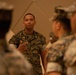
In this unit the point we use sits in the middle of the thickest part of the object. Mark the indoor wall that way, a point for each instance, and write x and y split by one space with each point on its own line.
42 9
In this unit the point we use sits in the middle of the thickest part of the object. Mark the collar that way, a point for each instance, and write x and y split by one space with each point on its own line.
64 35
34 34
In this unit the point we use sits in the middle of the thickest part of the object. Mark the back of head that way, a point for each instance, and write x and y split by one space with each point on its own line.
62 17
5 17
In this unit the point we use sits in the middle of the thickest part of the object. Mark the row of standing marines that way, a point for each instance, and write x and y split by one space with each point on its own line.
21 55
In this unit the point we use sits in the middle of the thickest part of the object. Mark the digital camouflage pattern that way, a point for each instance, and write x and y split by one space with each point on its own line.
34 47
12 61
70 58
56 54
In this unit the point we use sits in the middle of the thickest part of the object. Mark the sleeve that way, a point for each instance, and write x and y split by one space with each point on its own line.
55 58
15 40
43 40
53 67
43 43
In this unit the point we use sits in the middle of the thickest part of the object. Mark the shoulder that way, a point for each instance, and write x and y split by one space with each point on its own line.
64 42
56 51
19 33
14 52
58 44
70 37
14 60
19 60
16 36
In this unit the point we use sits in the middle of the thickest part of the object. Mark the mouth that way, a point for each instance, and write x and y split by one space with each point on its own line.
29 25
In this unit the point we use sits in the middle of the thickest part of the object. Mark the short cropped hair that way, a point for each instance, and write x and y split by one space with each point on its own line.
64 20
28 14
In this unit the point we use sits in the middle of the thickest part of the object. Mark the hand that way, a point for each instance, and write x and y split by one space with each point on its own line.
22 46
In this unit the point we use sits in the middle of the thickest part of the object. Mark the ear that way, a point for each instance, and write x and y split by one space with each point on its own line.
58 26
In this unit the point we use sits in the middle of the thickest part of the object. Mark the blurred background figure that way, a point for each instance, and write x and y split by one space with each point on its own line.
30 43
12 61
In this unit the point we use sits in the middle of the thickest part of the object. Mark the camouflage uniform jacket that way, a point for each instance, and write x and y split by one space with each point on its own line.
12 61
70 58
56 54
34 47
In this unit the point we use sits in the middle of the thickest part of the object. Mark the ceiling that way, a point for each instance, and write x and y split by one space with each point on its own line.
42 9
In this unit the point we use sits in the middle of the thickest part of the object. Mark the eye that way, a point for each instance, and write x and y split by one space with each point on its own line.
31 19
26 20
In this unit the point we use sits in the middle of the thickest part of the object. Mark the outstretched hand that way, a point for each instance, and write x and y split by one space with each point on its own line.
22 46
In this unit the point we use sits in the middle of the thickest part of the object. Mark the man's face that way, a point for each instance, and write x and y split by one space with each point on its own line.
73 22
29 22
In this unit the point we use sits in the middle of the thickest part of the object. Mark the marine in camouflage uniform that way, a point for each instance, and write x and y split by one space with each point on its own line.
70 55
12 62
55 57
56 54
34 47
70 58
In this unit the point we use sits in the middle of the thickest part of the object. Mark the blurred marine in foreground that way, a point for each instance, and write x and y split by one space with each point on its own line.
56 57
12 61
70 55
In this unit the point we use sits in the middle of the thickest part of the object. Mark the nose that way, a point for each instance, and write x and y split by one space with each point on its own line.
29 21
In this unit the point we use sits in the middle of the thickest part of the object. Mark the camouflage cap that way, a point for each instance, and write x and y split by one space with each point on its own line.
68 10
71 8
64 11
58 16
59 13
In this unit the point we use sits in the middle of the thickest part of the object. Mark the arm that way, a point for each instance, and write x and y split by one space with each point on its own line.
14 40
53 68
18 41
43 52
43 57
54 60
